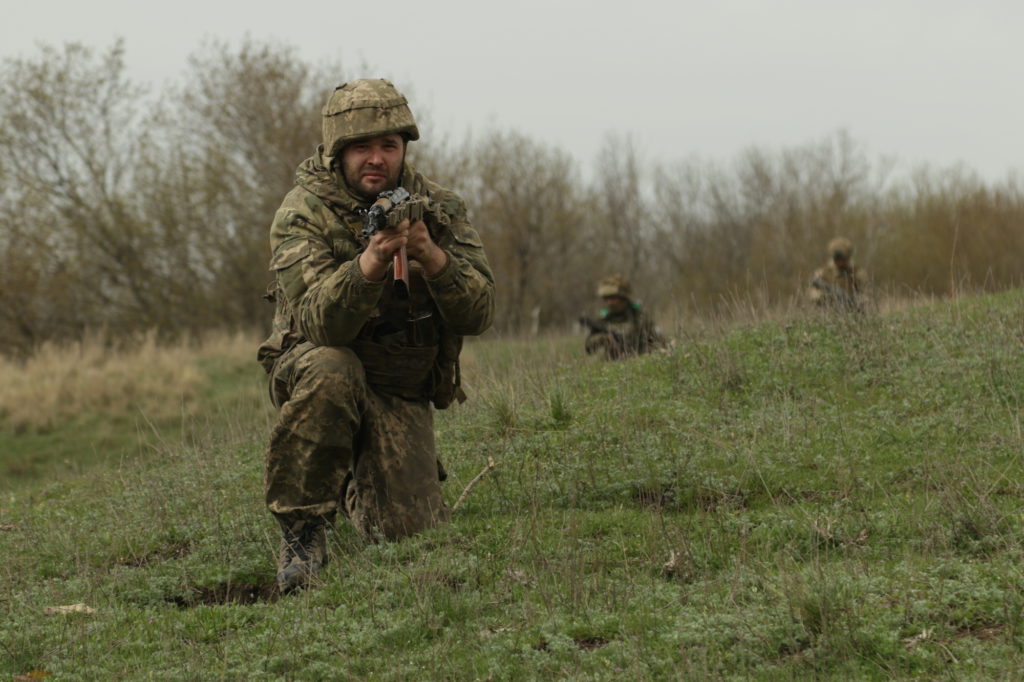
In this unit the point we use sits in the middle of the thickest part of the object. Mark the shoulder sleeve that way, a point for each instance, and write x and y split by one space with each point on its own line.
464 288
329 297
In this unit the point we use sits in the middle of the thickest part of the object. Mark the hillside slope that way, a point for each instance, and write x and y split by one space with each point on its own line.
830 497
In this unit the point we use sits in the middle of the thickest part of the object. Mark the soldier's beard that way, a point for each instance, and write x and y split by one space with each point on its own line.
369 189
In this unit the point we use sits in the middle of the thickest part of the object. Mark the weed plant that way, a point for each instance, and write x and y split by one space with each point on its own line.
802 498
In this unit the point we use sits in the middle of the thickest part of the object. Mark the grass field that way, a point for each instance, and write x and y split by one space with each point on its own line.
801 498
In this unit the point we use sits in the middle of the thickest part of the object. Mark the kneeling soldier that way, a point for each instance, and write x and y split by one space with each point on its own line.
355 361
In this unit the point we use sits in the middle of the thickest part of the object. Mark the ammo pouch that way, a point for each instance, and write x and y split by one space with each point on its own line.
445 377
414 373
403 371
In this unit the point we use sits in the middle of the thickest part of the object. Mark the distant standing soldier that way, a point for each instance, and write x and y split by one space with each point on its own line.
623 328
839 284
355 359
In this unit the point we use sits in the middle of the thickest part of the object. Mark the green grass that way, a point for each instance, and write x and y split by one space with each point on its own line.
811 498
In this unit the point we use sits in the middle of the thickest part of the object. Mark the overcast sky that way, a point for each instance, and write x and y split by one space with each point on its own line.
926 81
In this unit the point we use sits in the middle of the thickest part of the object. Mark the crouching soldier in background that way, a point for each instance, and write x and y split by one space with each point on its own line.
839 284
623 328
355 360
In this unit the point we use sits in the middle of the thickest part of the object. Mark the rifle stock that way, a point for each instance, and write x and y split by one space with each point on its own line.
401 268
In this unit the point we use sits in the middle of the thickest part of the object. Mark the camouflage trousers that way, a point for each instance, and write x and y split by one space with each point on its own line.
340 444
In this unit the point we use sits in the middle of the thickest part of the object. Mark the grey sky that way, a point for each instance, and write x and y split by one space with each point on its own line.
925 81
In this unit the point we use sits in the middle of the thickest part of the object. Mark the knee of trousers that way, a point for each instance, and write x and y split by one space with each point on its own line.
333 373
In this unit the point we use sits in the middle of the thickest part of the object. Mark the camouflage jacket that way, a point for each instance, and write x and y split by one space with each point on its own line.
832 286
634 327
323 299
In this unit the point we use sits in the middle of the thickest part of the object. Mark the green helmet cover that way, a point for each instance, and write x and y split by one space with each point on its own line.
368 107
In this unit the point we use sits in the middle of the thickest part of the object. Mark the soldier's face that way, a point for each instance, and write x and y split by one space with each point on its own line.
615 304
373 165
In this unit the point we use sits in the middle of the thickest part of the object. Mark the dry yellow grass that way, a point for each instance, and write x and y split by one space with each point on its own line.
91 377
236 347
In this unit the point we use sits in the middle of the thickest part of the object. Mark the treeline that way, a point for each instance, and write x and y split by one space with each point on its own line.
129 210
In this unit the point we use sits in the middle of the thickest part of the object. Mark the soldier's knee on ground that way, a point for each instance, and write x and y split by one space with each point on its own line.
392 520
394 505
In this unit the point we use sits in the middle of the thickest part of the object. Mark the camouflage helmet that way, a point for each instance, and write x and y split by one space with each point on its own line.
363 108
614 285
840 247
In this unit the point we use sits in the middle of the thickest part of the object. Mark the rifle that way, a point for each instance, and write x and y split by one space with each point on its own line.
390 208
838 294
597 327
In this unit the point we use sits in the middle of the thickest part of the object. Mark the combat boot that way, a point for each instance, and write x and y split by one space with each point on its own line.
303 554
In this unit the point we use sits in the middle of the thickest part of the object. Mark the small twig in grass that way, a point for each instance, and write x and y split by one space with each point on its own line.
487 469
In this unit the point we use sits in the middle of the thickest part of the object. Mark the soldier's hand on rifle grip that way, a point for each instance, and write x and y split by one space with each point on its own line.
423 249
381 250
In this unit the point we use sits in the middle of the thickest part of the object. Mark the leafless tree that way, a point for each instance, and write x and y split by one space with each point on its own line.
528 205
232 137
68 135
